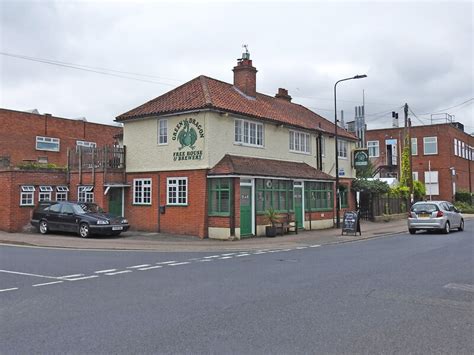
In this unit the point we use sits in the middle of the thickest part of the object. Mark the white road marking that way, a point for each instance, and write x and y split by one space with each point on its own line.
166 262
212 256
9 289
48 283
104 271
315 246
151 267
273 251
204 260
83 278
228 254
299 248
239 255
176 264
462 287
27 274
260 252
137 266
226 257
286 249
118 272
68 276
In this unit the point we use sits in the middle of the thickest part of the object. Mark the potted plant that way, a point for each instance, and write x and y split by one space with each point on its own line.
271 216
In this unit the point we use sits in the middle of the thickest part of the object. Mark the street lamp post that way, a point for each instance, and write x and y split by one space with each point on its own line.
336 145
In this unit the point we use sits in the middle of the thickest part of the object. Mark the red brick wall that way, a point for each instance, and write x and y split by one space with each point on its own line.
441 162
19 131
14 217
187 220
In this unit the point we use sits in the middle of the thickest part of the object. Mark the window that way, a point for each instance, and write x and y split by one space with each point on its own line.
414 146
414 175
277 194
219 197
374 150
299 142
343 196
430 145
318 196
248 133
177 191
455 147
142 191
45 193
61 193
47 143
85 193
86 144
27 196
163 131
323 146
342 148
431 183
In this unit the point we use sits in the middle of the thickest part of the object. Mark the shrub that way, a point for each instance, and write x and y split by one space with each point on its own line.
463 196
464 207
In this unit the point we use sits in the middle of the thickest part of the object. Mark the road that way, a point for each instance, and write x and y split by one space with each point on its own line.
398 294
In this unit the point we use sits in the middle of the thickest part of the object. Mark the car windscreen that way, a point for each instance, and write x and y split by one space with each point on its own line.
425 207
90 208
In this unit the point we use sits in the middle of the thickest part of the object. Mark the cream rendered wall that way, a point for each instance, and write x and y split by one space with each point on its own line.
145 154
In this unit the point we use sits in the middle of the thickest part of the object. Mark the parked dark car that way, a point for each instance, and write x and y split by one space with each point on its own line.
82 218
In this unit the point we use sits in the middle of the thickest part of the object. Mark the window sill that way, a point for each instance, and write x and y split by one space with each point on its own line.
214 214
176 205
141 204
298 152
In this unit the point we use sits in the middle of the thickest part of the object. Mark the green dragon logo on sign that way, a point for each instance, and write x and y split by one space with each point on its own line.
187 136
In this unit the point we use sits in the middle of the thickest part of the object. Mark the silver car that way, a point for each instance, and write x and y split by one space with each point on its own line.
434 215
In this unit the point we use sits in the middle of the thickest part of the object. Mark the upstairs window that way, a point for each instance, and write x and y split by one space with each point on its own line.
299 142
342 149
85 193
163 131
414 146
374 149
47 143
430 145
248 133
27 195
142 191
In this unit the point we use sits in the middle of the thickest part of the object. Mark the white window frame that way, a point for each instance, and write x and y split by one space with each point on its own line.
414 146
248 133
375 147
163 131
431 183
342 146
434 141
300 142
86 144
85 193
142 191
53 142
45 193
175 194
414 175
455 147
27 195
62 193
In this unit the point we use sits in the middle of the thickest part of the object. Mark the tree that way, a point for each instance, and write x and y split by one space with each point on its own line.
366 171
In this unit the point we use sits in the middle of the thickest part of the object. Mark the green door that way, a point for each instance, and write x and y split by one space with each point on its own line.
298 205
245 211
115 201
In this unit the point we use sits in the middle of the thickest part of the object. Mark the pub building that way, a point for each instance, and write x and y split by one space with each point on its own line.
208 158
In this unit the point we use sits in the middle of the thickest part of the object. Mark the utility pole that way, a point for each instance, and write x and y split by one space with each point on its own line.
408 142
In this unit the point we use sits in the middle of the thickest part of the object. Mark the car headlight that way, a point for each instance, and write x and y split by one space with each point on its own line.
124 221
102 221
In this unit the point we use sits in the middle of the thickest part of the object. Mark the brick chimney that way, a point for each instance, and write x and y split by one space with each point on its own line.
283 94
245 76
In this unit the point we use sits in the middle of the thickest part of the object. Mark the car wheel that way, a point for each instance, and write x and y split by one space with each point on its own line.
461 225
412 230
84 231
43 227
446 228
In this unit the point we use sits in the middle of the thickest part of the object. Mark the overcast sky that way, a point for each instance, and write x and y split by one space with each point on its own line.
415 52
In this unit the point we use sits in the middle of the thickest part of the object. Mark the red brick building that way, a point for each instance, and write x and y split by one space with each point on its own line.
38 161
442 157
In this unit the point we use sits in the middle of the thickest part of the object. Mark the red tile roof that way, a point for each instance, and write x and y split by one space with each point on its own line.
238 165
207 93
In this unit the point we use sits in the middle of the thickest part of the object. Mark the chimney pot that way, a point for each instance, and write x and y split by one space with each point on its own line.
283 94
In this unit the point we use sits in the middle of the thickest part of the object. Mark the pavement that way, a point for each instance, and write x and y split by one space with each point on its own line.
163 242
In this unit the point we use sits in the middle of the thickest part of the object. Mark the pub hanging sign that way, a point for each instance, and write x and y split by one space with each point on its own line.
361 158
188 132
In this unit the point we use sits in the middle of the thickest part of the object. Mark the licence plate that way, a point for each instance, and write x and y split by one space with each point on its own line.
423 215
117 228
